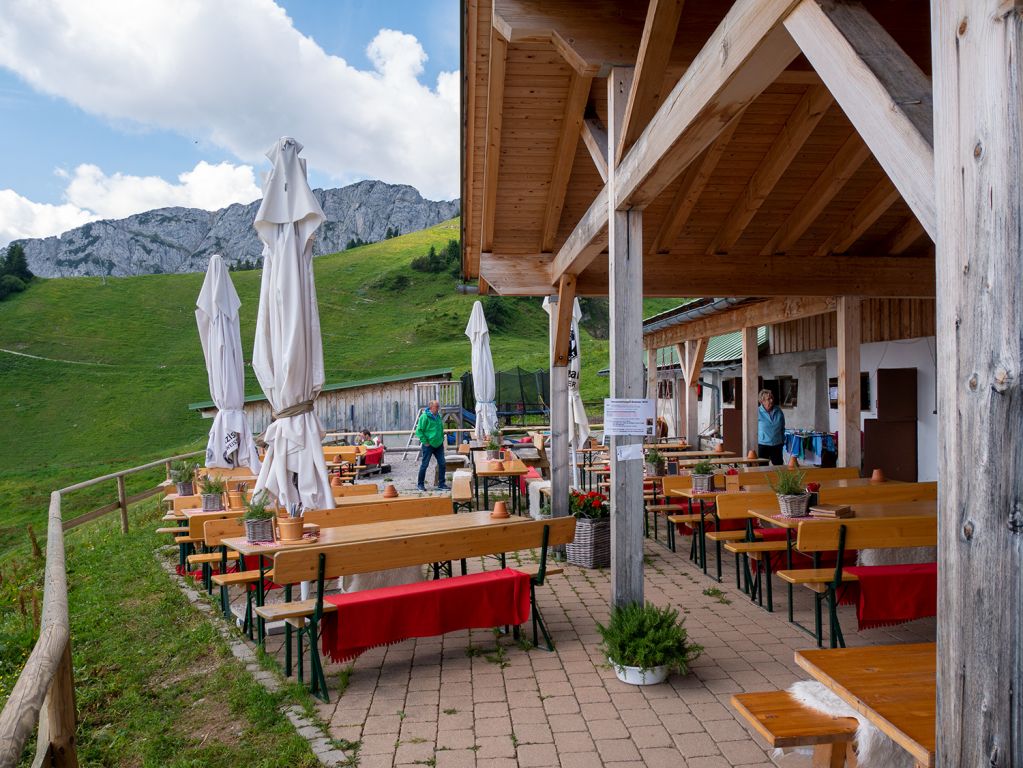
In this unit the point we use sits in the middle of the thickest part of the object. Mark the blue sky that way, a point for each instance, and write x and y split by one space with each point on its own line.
84 109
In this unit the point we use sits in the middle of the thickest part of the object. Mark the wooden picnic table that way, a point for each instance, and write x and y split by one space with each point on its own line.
346 534
928 508
685 454
512 471
893 686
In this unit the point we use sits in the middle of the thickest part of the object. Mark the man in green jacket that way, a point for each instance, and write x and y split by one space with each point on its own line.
430 431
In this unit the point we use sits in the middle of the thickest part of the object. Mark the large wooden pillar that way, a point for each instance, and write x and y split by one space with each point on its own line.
750 387
977 48
651 376
625 266
849 335
561 475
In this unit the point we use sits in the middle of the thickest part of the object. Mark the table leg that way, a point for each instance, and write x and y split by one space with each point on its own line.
788 565
476 489
486 493
717 544
260 596
703 541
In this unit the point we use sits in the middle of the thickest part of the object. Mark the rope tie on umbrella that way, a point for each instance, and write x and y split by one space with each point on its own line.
306 406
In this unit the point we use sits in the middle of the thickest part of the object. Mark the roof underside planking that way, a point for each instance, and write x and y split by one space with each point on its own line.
787 199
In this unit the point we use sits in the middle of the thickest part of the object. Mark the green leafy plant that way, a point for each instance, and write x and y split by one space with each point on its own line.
494 441
213 486
654 456
592 505
258 508
183 471
645 636
788 483
703 468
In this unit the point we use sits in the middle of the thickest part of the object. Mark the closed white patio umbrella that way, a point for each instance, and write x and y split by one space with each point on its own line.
230 444
484 387
579 424
288 354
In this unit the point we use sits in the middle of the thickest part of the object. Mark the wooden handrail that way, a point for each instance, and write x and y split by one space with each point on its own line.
44 694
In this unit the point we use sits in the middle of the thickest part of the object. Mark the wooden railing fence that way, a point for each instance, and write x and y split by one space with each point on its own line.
44 694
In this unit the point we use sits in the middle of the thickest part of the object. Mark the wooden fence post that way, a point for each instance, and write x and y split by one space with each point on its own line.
61 713
167 465
122 501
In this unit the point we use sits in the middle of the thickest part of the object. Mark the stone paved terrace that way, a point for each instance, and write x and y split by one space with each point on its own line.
459 701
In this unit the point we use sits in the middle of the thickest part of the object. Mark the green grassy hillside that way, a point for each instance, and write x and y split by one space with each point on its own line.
123 360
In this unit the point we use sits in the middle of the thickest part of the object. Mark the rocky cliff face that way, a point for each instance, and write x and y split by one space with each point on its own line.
182 239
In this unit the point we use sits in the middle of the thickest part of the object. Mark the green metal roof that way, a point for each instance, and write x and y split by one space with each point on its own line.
720 349
343 385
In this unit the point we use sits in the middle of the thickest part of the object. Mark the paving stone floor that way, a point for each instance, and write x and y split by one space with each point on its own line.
473 699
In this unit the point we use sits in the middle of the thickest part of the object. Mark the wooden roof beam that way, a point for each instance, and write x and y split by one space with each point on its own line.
655 46
800 124
849 158
585 242
745 54
516 274
595 138
492 158
870 209
694 180
904 236
575 108
883 92
563 326
769 312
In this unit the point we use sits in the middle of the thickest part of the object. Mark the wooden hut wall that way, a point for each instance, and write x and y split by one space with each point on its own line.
883 320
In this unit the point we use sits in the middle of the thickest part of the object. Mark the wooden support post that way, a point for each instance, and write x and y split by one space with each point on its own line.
978 151
122 502
651 376
167 467
625 288
561 474
61 723
750 387
849 321
695 350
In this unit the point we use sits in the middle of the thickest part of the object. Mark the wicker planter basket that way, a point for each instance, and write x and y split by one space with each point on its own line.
795 505
592 545
259 530
703 483
185 489
212 502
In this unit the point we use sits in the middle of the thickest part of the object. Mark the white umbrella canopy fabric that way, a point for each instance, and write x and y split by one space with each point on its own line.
484 387
579 425
216 313
288 354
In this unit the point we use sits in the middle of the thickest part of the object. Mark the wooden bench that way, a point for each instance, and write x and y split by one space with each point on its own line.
329 562
878 493
351 489
784 722
214 533
813 474
853 534
461 490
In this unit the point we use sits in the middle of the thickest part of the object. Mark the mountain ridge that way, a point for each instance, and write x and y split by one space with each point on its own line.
177 240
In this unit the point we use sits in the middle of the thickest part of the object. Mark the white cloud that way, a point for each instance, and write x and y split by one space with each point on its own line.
91 194
239 75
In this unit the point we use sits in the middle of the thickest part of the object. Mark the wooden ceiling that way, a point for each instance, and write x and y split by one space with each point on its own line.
787 199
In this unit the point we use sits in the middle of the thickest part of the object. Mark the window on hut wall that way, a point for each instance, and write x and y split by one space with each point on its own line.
787 391
665 389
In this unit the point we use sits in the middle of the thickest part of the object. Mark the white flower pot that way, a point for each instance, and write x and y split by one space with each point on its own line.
639 675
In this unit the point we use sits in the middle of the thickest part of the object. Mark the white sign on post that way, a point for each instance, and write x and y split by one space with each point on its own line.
624 417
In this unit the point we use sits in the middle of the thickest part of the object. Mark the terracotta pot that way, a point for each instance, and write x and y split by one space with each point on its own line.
335 481
497 466
290 528
793 463
390 491
751 454
500 510
877 476
719 448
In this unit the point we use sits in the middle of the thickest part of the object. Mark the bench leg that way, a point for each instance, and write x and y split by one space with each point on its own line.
287 635
767 581
818 629
829 755
671 534
318 683
538 621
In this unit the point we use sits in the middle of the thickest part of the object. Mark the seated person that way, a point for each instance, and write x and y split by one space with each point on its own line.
366 439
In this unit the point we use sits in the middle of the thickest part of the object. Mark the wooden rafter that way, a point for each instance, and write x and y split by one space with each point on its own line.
870 209
563 327
688 193
517 274
655 47
470 242
904 236
694 360
881 89
768 312
745 54
595 138
575 106
801 123
850 156
586 241
495 108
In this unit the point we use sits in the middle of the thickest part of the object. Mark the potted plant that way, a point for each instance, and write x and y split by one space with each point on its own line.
654 463
793 499
494 445
183 475
213 490
592 545
259 519
703 476
644 643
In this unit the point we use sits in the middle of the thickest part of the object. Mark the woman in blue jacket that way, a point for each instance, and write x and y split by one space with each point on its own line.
770 428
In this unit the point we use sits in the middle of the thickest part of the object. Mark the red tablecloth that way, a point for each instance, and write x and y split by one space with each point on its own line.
893 594
375 617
